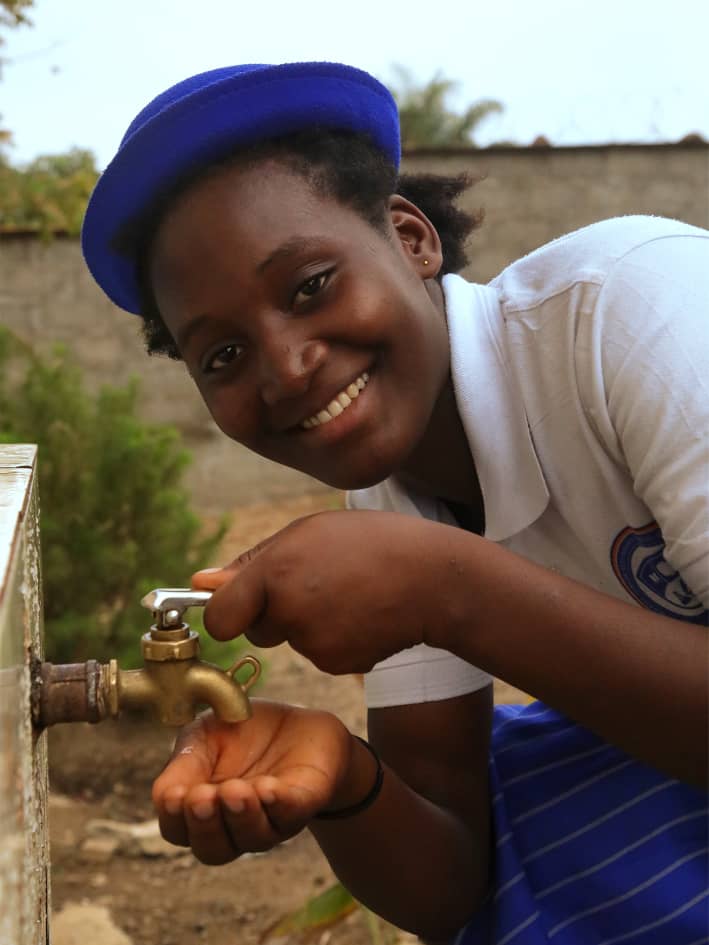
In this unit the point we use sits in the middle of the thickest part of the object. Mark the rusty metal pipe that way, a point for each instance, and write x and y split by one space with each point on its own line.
69 692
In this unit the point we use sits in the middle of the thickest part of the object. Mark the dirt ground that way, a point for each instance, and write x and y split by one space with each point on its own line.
105 772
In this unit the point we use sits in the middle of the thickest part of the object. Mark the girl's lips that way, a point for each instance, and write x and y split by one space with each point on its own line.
338 404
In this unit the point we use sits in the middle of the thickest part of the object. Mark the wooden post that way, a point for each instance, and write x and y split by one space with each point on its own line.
24 844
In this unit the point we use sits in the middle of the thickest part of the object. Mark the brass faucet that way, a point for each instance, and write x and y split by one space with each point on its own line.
173 683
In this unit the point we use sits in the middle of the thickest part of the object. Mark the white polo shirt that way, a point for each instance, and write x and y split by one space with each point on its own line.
582 379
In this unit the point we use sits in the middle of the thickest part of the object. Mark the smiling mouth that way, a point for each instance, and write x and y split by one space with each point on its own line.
339 404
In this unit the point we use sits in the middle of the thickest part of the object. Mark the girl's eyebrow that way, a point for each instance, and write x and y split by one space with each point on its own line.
189 329
289 247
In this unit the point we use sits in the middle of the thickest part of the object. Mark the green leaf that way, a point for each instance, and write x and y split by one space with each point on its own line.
380 932
425 119
325 909
48 195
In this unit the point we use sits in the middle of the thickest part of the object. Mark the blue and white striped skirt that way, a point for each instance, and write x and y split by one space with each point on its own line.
591 847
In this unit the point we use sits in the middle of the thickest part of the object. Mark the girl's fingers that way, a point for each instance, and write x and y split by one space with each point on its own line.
210 579
190 764
171 816
289 807
245 818
237 603
221 823
208 836
261 813
252 815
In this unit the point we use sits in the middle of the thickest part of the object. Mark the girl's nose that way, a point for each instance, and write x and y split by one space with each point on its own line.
288 365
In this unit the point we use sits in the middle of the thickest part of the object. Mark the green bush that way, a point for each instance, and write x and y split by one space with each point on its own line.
48 195
115 520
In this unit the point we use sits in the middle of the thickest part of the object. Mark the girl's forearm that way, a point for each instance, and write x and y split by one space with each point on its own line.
636 678
418 866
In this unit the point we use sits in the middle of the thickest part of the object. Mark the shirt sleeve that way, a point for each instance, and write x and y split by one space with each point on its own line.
652 326
421 673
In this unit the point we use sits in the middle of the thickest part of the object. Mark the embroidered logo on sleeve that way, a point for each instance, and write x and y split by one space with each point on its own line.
637 558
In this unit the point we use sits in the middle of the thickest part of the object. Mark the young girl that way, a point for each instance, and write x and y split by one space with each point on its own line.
527 464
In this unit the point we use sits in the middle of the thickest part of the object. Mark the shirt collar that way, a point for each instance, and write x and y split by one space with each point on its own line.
492 410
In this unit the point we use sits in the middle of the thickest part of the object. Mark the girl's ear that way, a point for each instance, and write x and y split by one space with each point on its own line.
417 236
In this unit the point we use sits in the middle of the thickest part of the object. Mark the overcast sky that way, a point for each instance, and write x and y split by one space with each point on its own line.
577 72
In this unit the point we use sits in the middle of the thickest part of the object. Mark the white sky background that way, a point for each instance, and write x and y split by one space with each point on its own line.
577 72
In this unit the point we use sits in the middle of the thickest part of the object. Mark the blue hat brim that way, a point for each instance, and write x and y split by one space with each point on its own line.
211 116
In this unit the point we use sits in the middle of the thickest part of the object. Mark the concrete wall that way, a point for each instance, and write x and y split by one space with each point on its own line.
24 849
530 196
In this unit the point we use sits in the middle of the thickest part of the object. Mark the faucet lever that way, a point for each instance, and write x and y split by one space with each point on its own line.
169 604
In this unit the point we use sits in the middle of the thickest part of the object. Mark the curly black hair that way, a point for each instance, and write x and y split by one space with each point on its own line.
342 165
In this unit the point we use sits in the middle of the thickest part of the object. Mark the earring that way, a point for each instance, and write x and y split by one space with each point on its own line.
425 262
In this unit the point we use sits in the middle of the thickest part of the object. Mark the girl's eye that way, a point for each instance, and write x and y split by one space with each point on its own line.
222 358
310 287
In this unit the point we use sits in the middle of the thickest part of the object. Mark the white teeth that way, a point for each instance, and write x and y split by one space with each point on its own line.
339 404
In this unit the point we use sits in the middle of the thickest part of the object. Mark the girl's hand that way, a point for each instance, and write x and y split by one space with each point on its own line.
345 589
247 786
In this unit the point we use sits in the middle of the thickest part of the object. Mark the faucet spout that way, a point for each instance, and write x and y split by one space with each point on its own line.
174 689
206 684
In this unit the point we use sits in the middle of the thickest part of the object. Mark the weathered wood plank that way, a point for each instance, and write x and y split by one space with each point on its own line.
14 491
18 454
24 853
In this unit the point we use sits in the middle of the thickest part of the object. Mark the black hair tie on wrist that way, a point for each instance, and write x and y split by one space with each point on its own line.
367 800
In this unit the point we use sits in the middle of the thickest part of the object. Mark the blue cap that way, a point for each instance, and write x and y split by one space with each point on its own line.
208 116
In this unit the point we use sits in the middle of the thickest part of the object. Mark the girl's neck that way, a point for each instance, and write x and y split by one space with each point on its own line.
441 465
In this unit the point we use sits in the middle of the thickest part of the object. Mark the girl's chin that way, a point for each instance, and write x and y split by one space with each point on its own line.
355 476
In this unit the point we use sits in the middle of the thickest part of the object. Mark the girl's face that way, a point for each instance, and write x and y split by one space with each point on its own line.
315 339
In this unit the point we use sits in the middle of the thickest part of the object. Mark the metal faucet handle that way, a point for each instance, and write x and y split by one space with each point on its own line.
169 603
